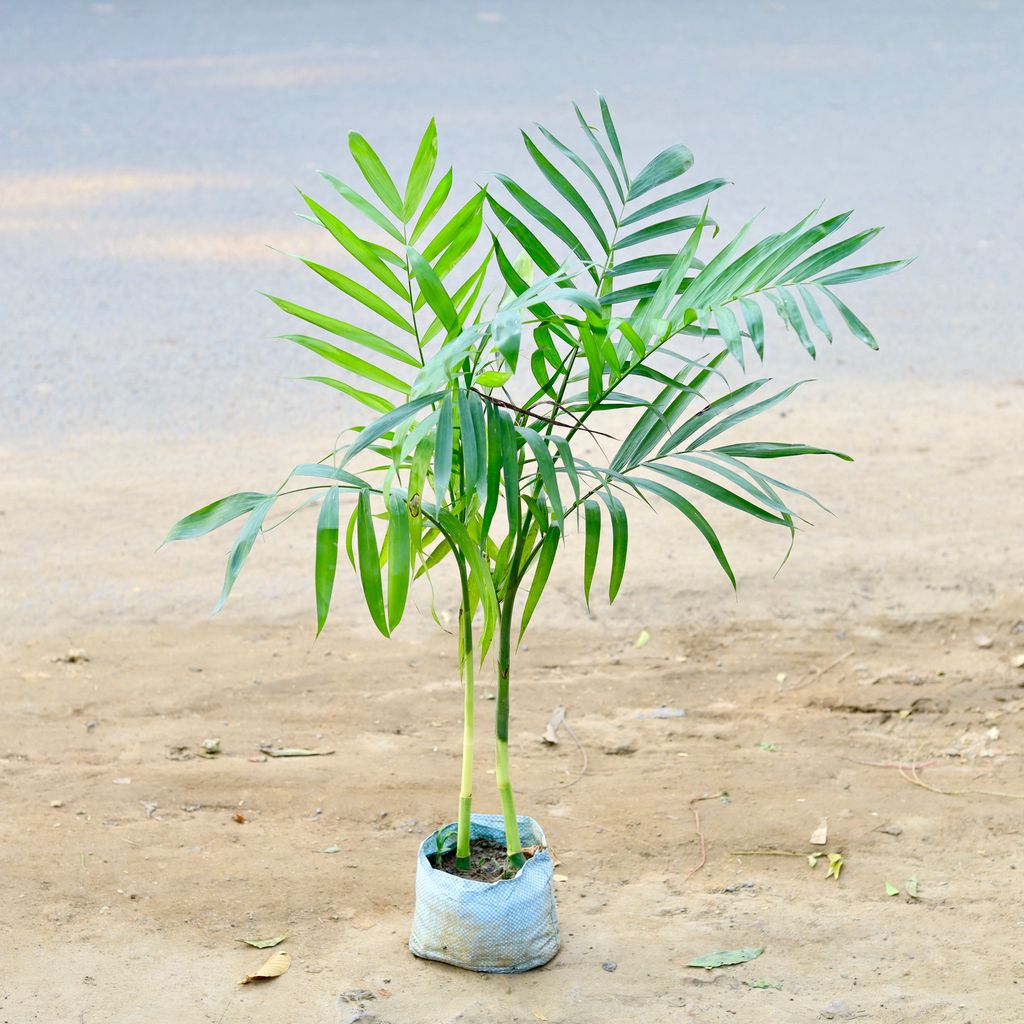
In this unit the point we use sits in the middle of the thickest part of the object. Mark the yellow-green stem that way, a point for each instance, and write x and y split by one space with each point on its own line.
462 861
508 807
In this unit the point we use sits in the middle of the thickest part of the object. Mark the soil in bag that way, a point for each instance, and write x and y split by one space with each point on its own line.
488 861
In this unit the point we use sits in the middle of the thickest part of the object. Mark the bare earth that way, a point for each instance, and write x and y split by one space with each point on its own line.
890 637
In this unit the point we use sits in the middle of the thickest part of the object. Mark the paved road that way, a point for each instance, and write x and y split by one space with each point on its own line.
149 149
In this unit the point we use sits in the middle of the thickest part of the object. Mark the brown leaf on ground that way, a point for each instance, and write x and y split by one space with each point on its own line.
273 967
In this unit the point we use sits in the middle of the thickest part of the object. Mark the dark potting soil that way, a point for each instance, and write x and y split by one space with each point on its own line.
488 861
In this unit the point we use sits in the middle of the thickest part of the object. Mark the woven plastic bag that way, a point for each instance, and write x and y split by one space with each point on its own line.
497 927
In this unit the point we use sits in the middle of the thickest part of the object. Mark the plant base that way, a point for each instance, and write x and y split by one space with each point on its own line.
497 927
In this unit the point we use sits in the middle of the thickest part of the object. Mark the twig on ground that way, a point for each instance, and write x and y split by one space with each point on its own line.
703 859
586 760
890 764
766 853
911 775
817 673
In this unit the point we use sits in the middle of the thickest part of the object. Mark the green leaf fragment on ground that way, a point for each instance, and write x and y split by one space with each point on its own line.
726 958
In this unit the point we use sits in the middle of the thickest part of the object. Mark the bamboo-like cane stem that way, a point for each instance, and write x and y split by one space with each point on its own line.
462 861
508 808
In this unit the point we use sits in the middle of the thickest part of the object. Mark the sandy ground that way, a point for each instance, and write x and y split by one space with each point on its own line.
128 881
147 155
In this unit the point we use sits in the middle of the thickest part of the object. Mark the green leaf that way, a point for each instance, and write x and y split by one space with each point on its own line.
600 150
362 250
857 326
349 362
443 451
369 562
362 294
492 378
814 311
347 331
325 471
242 546
466 214
398 559
676 199
326 556
891 890
547 219
525 237
666 227
755 324
592 524
742 414
719 493
493 467
545 559
668 164
216 514
374 402
775 450
620 541
576 159
459 535
510 470
388 422
825 258
729 329
363 206
437 298
433 204
793 316
862 273
695 517
613 136
420 172
567 191
726 958
375 173
546 469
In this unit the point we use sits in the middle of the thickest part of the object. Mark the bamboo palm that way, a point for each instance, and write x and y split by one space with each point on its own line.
488 357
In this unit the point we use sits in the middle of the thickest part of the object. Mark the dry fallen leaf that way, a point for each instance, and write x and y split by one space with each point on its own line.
264 943
819 837
239 817
274 967
554 724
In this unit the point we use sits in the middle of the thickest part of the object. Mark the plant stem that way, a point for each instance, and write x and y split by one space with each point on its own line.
466 668
508 808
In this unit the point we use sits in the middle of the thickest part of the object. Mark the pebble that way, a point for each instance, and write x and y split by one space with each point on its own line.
984 642
609 966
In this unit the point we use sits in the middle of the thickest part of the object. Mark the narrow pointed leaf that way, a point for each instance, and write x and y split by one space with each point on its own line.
326 556
347 361
443 451
545 560
369 563
375 173
592 522
420 172
433 204
216 514
242 546
434 291
348 331
675 199
364 206
388 422
668 164
398 559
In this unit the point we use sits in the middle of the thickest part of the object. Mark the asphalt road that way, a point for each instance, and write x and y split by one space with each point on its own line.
149 150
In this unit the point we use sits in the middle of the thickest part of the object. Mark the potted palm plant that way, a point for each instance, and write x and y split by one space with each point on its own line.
620 308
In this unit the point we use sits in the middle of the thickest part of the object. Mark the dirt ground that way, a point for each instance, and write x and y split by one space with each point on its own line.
894 636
